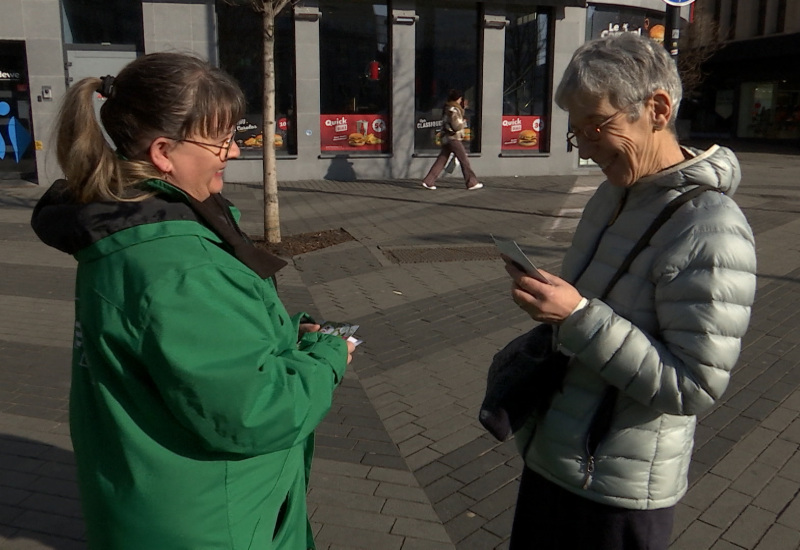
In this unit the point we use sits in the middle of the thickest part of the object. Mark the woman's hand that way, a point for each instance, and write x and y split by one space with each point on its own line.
543 302
314 327
307 327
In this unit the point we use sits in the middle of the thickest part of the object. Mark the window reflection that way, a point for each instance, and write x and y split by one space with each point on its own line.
526 80
354 76
240 31
769 110
103 21
447 58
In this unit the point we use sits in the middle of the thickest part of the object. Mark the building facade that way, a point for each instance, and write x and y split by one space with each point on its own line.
360 84
751 89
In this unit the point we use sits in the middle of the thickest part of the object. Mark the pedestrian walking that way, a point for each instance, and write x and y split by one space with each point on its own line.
194 394
452 136
647 345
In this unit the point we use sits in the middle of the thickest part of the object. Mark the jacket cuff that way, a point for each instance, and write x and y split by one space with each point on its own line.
579 328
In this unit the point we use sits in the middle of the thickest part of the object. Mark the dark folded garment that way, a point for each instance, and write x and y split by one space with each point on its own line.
522 380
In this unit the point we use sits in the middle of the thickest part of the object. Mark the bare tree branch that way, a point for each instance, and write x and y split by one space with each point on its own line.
698 43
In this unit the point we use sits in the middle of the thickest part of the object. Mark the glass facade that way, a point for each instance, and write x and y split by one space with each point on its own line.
241 43
526 80
103 22
769 110
447 45
355 65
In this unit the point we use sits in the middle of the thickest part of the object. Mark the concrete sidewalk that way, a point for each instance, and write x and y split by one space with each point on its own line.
401 460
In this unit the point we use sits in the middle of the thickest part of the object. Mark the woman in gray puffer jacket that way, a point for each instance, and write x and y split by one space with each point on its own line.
667 335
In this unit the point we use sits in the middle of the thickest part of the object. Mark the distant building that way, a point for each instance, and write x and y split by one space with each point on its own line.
752 85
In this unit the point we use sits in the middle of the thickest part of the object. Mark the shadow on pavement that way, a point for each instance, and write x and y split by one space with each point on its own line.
39 496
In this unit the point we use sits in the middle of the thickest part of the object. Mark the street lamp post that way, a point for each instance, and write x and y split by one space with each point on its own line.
672 31
672 26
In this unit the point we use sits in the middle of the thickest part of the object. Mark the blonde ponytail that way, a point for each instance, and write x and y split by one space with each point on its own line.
92 168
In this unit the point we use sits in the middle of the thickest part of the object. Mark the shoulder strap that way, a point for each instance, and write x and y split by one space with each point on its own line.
644 240
601 422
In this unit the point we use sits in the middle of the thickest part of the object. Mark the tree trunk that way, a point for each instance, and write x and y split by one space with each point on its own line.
272 221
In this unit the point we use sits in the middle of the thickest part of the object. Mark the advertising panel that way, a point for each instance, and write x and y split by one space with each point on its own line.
250 136
354 133
521 133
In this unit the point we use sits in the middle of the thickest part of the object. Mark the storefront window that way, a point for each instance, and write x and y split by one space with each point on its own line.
240 31
526 80
770 110
354 76
16 146
103 22
447 41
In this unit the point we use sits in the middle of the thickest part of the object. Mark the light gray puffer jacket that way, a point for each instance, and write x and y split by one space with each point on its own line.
667 336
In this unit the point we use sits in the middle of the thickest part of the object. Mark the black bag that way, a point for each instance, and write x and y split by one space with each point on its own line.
523 378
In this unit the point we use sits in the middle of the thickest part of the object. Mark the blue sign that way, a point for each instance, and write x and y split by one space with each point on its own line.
678 3
20 137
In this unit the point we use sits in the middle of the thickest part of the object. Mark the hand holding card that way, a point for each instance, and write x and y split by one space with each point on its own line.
511 250
343 330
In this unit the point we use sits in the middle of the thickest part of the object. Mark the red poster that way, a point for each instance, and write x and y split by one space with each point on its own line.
521 133
353 133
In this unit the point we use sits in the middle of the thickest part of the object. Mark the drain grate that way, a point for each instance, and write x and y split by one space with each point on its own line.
417 255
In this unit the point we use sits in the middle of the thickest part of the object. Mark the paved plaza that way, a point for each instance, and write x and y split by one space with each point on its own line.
401 460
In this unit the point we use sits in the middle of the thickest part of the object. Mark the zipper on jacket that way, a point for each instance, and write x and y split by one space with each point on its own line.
598 429
587 478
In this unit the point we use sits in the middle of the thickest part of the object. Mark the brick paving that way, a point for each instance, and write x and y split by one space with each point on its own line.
401 461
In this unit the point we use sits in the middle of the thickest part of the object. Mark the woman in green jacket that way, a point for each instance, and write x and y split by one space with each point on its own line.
194 394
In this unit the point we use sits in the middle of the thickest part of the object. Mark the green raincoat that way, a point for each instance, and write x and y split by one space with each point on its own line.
193 403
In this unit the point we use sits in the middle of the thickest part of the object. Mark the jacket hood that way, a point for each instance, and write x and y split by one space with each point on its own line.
62 222
717 166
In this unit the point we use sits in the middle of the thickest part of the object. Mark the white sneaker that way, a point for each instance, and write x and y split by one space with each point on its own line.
426 186
476 186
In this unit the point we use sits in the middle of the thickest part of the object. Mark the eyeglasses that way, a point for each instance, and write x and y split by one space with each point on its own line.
222 149
593 132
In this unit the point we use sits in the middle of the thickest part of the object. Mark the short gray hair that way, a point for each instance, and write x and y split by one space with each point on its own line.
626 68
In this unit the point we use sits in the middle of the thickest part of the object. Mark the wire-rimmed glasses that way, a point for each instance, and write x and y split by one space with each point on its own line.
223 149
593 132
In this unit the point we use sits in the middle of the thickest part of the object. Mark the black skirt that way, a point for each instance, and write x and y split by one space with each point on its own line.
550 518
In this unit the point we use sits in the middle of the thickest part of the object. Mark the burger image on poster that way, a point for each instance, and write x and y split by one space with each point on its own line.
657 33
356 139
527 138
